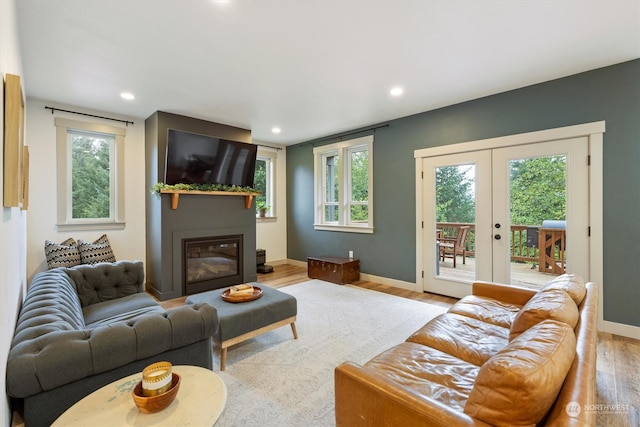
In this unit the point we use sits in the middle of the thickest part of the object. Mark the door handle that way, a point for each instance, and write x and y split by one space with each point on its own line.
497 237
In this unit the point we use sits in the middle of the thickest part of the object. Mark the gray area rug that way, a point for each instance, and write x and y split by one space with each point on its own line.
274 380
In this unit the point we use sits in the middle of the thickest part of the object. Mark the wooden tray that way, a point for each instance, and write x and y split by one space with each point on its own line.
226 296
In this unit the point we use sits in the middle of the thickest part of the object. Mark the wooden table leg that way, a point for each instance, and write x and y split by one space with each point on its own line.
224 345
223 358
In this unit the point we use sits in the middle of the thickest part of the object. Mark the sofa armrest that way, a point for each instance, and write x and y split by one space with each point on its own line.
106 281
364 398
501 292
59 358
579 388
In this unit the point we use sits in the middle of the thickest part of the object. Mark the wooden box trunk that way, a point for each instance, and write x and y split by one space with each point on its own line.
334 269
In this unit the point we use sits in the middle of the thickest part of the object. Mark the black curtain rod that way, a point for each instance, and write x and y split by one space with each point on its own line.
339 137
364 130
268 146
126 122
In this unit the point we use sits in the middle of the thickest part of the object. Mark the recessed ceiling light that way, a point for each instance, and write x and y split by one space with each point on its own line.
396 91
127 95
275 130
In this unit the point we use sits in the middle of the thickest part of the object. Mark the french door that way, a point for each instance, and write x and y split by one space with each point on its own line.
526 207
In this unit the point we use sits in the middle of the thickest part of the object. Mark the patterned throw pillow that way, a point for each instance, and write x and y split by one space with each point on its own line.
65 254
98 251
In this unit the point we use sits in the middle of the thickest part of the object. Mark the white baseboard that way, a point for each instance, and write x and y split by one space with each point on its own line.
619 329
390 282
279 262
371 278
297 263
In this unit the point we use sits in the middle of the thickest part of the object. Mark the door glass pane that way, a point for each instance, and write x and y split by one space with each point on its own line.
538 206
455 222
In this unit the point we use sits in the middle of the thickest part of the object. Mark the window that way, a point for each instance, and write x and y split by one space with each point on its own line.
264 181
344 186
90 175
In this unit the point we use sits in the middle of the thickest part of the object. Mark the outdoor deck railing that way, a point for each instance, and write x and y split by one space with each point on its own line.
520 251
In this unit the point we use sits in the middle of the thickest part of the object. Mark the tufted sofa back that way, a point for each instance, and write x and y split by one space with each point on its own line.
54 347
106 281
51 305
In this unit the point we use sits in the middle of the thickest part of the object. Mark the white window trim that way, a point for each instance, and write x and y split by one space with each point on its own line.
272 156
343 149
64 221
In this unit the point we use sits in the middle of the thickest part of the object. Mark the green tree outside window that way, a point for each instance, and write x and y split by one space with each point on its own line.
90 175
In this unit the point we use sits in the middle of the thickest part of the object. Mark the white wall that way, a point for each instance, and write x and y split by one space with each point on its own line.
271 233
128 243
13 220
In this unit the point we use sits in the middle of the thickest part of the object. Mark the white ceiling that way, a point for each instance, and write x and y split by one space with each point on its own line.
312 68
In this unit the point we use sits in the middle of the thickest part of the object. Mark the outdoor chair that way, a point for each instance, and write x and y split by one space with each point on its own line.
450 247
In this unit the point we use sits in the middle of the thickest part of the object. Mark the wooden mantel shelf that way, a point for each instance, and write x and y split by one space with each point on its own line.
175 195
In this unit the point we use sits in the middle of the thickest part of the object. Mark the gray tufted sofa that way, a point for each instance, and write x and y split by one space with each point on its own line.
83 327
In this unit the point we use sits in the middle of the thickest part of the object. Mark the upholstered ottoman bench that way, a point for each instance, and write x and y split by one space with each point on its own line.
244 320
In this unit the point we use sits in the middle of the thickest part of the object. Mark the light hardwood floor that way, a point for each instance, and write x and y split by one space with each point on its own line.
618 366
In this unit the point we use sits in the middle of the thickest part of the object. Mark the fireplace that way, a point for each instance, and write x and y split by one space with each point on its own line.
211 263
198 216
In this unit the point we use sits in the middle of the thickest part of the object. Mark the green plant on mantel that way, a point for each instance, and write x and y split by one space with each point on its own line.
156 189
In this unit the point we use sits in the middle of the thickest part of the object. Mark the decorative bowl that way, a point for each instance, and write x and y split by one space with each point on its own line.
151 404
226 296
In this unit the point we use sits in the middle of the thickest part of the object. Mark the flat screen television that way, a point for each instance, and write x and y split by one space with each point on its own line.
192 158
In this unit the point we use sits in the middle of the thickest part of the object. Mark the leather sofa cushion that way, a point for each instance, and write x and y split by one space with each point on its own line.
571 284
488 310
518 386
427 371
552 304
463 337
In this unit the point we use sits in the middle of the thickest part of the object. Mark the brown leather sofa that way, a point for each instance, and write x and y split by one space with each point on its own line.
503 356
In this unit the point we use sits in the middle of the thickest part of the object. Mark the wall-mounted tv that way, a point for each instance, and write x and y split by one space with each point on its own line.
192 158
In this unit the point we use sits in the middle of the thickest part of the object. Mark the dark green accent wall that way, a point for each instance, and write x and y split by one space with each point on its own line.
611 94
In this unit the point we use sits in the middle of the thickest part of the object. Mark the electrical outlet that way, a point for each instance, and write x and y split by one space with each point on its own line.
350 254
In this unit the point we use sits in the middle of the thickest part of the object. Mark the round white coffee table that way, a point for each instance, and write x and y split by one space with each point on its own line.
199 402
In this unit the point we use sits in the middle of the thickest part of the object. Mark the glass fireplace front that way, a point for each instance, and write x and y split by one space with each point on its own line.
211 263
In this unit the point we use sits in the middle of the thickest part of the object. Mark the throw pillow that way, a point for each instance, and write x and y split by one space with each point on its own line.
552 304
65 254
518 385
96 252
571 284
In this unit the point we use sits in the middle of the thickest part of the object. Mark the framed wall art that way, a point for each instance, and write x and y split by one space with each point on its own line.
13 141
